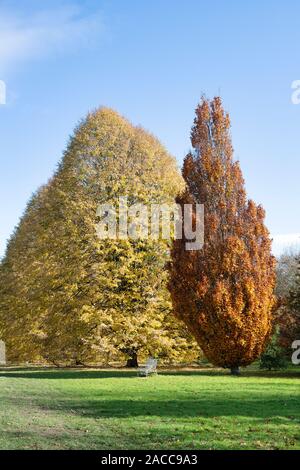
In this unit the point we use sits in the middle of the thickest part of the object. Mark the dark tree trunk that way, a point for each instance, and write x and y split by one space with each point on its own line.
235 370
132 361
79 363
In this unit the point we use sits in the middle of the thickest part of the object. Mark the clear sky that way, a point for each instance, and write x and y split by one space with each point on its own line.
151 60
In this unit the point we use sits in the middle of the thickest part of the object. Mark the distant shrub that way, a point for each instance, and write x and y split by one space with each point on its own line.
274 355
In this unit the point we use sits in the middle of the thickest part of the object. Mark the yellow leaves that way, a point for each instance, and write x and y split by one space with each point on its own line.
86 313
88 297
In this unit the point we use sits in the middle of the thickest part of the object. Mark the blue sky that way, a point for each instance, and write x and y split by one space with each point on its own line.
151 61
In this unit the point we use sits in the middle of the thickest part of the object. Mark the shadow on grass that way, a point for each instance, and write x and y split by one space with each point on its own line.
47 373
282 410
65 374
99 403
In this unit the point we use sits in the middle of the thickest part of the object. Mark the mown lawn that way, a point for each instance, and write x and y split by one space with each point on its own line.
114 409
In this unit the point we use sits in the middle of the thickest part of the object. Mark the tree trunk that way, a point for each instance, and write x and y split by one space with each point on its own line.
132 361
235 370
79 363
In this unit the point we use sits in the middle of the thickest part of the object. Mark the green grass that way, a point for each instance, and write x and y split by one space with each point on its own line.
92 409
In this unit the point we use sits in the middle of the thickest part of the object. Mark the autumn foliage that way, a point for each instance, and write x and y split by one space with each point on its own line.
223 292
69 297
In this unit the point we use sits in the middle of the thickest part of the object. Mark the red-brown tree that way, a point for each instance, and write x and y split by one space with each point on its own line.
223 292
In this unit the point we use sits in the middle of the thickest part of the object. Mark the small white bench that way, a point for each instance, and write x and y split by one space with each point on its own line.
149 368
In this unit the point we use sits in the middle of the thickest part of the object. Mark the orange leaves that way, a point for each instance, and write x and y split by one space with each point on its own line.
223 292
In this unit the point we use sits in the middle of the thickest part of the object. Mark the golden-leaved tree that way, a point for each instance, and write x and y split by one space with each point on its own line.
290 322
68 296
223 292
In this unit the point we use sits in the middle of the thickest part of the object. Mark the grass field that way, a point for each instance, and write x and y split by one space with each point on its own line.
114 409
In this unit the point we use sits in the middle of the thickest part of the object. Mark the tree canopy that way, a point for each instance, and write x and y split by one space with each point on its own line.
223 292
66 295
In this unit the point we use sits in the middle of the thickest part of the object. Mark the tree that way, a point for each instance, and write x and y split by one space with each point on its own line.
273 357
19 322
292 327
294 295
223 292
286 271
287 315
69 297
